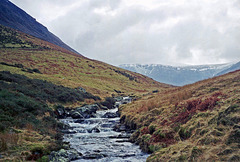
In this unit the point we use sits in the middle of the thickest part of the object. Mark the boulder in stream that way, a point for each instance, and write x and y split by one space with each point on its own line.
94 129
110 115
86 111
76 115
64 155
93 156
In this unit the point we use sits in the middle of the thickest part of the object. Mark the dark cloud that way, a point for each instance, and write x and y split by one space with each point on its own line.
140 31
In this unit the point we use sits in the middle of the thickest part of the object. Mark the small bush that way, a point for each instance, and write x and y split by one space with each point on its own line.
184 133
152 129
144 130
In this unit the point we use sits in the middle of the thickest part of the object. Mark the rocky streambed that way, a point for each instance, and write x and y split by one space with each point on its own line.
98 137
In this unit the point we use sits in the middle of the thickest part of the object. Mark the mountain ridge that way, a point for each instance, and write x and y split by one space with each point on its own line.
16 18
181 75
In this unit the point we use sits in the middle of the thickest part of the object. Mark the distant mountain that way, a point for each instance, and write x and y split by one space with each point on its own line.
233 67
181 75
14 17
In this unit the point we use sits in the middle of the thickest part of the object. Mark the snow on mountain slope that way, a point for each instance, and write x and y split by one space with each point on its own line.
181 75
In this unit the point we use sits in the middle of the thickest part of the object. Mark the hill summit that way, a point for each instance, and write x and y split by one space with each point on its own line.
14 17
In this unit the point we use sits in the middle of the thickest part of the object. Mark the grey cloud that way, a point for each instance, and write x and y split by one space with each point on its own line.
119 33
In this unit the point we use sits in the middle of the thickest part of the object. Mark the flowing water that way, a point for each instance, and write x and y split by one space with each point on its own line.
96 140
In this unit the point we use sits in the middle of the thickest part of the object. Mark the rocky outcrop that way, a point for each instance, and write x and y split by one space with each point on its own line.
84 111
64 155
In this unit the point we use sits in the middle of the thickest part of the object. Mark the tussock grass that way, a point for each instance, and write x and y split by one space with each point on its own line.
196 122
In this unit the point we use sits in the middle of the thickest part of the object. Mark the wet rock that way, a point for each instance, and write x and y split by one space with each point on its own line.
68 131
121 136
110 115
86 111
118 113
117 104
97 151
106 125
93 108
64 155
126 155
93 156
60 112
76 115
64 126
118 99
120 128
95 130
104 108
73 154
79 121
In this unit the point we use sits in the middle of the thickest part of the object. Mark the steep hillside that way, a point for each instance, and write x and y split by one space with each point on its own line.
14 17
181 75
197 122
63 67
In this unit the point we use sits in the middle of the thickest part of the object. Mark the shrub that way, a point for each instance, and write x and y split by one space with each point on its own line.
184 133
41 89
144 130
152 129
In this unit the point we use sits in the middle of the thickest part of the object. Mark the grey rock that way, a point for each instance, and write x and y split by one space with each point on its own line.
104 108
93 156
64 155
81 89
95 130
68 131
76 115
60 112
79 121
110 115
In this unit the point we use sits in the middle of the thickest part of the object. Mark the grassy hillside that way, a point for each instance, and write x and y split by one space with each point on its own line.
197 122
63 67
28 125
35 77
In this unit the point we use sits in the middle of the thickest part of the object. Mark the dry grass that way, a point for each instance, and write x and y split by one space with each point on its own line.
19 146
61 66
190 119
8 140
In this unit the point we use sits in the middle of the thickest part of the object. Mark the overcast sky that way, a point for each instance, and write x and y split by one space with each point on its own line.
144 31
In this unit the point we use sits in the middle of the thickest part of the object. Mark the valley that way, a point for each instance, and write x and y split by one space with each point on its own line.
58 105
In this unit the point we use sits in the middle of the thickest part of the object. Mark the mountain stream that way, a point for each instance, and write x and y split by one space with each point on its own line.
96 140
